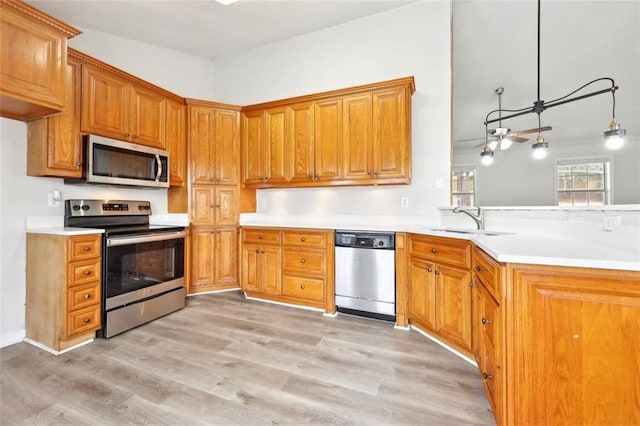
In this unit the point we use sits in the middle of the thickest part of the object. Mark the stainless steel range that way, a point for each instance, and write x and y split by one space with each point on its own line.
142 264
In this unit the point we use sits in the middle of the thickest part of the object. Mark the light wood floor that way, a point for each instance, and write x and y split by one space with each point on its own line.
227 360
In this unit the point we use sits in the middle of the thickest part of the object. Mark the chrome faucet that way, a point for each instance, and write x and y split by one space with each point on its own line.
477 217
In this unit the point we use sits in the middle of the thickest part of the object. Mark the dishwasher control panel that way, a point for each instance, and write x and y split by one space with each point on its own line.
364 239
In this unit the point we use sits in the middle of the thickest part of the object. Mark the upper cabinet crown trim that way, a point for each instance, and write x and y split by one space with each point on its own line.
211 104
40 17
405 81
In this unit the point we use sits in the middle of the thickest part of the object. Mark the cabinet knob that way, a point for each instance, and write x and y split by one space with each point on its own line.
87 248
376 173
486 321
257 251
434 250
78 164
478 268
126 135
303 239
134 136
87 296
302 261
302 286
471 284
87 320
437 272
87 272
429 270
261 251
260 237
487 376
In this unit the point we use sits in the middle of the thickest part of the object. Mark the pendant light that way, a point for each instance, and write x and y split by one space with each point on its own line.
613 136
486 156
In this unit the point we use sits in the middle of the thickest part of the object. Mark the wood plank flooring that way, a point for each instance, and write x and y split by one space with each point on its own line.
230 361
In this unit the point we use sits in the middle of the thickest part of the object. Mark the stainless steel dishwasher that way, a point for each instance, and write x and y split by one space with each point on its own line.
365 273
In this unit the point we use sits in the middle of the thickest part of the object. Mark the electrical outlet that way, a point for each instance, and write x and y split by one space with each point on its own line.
610 222
404 202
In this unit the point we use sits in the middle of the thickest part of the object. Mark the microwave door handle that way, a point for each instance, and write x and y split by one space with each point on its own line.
158 167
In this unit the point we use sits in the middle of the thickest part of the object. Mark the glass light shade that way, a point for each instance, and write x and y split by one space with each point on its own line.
493 145
614 136
486 156
540 150
505 143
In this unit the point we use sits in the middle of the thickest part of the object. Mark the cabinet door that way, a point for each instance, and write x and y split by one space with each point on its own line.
105 104
54 143
391 142
252 147
177 142
271 266
422 293
328 140
203 256
226 205
203 205
356 137
476 321
250 268
276 145
302 140
226 257
453 304
227 146
147 118
201 143
577 346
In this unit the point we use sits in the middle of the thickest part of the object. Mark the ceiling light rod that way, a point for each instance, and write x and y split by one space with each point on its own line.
539 106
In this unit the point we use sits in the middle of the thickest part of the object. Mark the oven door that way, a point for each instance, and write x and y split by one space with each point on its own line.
140 266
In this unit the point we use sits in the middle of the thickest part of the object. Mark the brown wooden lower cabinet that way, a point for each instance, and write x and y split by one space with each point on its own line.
289 265
63 289
214 259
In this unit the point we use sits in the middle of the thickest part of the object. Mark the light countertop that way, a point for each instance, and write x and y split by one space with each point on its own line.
557 249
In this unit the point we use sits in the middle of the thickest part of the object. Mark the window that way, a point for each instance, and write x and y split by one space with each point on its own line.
583 182
463 186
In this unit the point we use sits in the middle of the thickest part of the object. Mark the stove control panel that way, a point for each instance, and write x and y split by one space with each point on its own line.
74 208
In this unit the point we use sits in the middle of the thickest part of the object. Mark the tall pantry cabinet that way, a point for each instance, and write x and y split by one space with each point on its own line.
213 141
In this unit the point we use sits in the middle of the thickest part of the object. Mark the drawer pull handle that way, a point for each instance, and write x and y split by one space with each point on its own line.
303 239
434 250
87 320
302 286
260 237
87 248
487 376
302 261
87 296
87 272
479 268
486 321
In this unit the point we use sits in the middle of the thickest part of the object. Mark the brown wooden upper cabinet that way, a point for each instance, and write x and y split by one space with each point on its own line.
117 108
33 61
355 136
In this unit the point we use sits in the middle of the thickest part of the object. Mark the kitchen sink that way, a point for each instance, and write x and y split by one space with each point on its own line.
471 231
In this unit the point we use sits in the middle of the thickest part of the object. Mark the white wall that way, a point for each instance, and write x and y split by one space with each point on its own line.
516 179
22 196
410 41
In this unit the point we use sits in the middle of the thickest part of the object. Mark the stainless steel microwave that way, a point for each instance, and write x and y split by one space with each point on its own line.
114 162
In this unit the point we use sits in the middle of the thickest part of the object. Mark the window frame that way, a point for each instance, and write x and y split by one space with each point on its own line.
468 168
608 187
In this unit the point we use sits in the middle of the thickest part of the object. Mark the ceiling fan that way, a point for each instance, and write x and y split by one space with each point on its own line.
503 137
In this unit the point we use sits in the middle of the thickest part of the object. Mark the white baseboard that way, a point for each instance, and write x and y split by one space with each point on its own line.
11 338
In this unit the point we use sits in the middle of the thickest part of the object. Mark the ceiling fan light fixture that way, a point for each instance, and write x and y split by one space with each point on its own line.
540 148
614 136
493 145
486 156
226 2
505 143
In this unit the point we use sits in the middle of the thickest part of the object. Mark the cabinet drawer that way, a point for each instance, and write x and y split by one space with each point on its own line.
488 271
83 272
441 250
302 287
304 261
83 320
83 296
260 236
83 247
304 238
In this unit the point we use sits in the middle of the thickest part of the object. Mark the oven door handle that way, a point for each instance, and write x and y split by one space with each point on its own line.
149 238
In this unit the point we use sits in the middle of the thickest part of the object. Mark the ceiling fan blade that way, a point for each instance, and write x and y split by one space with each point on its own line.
534 130
517 139
470 140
